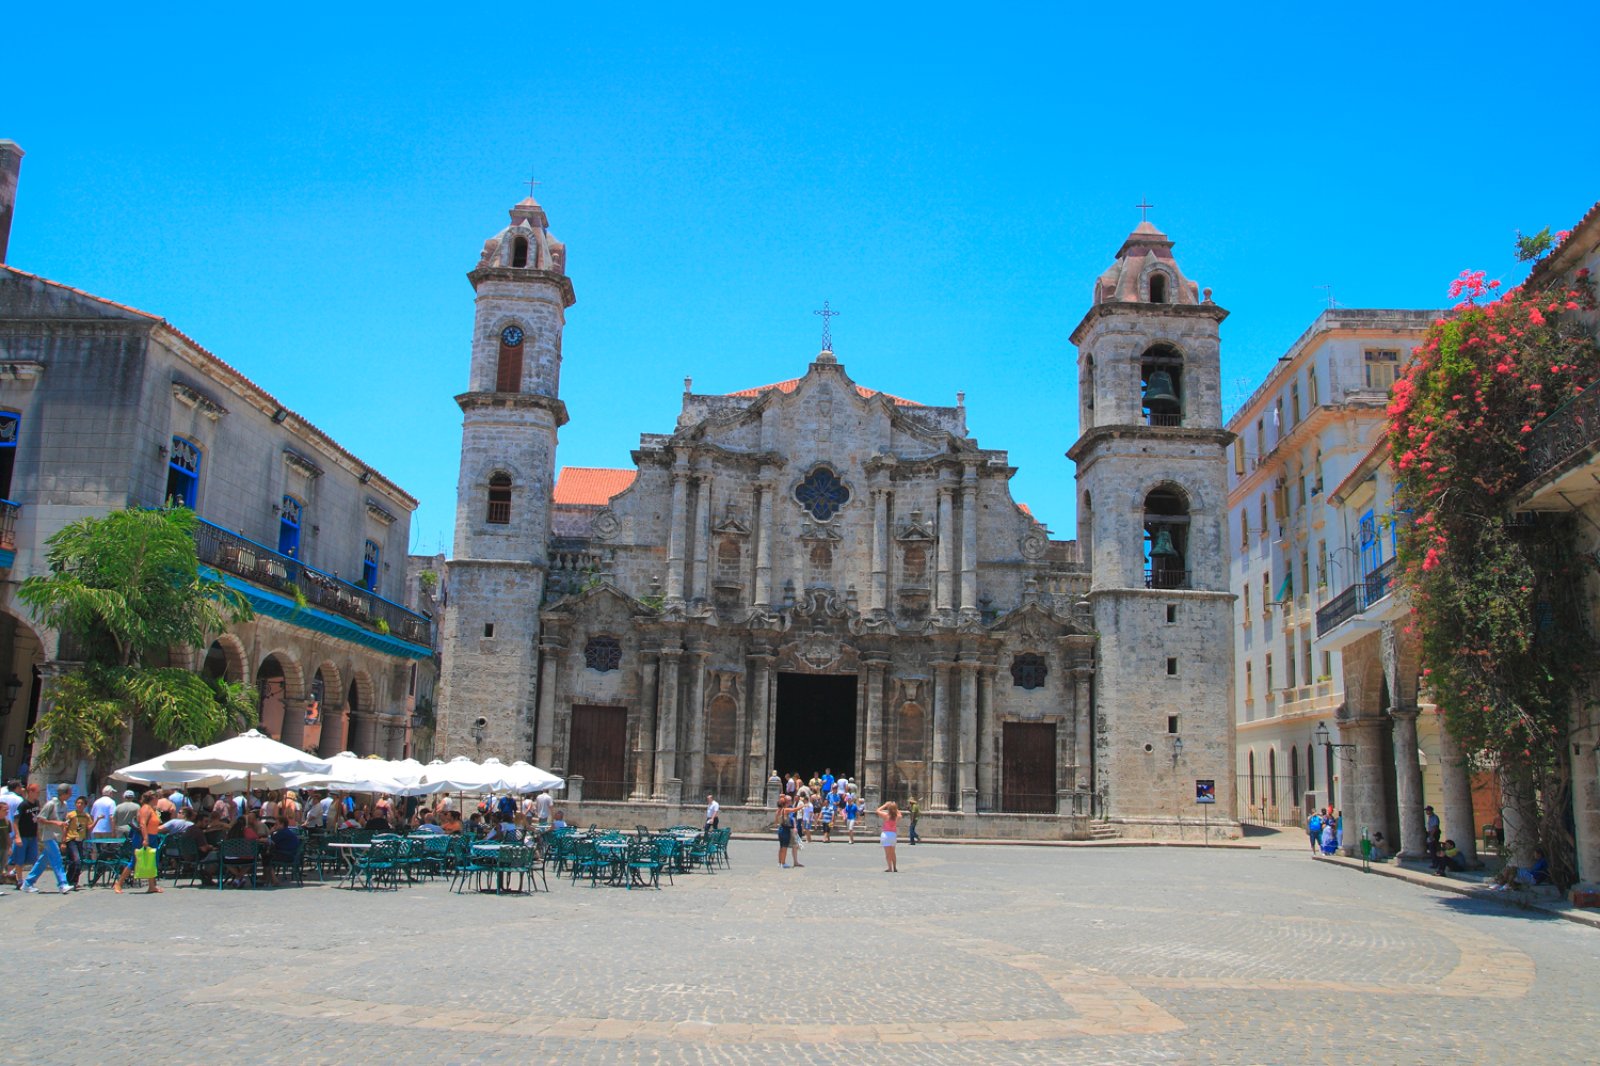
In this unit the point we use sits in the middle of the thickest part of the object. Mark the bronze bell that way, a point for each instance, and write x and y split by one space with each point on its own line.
1162 544
1158 394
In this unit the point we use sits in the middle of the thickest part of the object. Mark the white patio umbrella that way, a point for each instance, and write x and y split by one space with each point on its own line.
460 774
349 772
259 757
158 771
525 777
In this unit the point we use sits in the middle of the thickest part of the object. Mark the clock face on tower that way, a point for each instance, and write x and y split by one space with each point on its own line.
511 336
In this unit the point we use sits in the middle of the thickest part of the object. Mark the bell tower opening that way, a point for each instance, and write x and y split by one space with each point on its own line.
1166 532
1158 288
816 724
1161 378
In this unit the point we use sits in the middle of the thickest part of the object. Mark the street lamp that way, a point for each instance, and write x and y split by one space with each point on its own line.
1324 739
13 688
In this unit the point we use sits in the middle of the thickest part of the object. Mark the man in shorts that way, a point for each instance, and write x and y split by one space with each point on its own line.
851 809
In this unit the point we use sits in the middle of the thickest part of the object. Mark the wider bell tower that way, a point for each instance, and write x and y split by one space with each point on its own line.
511 412
1152 514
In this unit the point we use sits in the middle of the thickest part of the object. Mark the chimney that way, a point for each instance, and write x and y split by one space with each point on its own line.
10 165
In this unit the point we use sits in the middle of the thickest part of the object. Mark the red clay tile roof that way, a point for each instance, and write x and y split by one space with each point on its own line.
1025 509
591 485
266 397
789 386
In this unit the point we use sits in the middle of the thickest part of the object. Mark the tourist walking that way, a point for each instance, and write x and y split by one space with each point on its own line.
144 833
1314 830
74 839
25 833
50 822
713 813
851 809
890 813
911 829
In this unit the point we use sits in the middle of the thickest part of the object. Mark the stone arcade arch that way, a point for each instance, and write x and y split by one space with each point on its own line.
281 686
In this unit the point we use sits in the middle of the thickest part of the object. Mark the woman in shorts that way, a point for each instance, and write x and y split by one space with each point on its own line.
785 824
890 813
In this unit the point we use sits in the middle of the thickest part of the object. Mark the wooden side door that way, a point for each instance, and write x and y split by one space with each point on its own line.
1028 767
599 751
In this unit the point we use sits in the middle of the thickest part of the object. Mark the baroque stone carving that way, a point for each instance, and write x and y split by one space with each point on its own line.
605 524
1034 543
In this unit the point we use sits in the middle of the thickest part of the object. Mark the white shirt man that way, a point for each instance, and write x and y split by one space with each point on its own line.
102 812
542 806
712 810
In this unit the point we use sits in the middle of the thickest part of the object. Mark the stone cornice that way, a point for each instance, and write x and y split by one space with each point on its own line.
1176 434
522 276
1117 307
513 401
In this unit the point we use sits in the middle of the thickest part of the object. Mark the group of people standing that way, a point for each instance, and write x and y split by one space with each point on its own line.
819 805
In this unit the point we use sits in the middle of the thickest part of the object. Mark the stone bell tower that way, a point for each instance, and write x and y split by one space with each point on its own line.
1152 516
511 412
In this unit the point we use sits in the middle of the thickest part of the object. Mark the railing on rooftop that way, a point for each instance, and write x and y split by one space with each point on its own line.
1162 578
1569 435
1357 597
256 563
1155 418
8 524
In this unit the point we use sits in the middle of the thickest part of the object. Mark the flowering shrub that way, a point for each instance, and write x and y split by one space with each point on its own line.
1497 601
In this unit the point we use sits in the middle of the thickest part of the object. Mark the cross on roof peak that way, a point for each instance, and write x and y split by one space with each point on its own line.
530 183
827 331
1144 205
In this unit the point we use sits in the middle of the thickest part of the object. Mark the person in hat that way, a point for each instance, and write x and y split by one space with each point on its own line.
104 813
126 813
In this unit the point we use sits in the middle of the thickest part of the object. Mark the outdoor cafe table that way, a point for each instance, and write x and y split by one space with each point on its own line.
350 858
98 858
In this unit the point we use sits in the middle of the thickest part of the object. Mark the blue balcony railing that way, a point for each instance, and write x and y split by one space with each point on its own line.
233 554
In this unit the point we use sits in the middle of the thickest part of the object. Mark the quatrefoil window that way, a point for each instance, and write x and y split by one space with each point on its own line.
602 654
822 493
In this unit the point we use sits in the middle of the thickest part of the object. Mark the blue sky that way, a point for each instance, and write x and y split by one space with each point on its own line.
304 190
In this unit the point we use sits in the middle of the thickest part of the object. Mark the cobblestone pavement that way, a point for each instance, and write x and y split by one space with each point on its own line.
969 955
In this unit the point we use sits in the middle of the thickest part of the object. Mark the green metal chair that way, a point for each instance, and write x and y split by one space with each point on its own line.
379 865
233 856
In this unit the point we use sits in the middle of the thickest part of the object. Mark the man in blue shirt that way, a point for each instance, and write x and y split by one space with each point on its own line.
827 781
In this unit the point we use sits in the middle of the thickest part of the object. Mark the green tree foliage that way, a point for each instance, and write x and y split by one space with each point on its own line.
1497 601
127 589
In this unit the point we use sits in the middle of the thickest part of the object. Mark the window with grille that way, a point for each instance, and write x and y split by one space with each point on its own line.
1029 671
602 653
183 472
822 493
10 423
499 500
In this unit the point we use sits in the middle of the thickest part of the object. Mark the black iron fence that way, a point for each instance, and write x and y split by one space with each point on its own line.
260 565
1357 597
1162 578
1570 435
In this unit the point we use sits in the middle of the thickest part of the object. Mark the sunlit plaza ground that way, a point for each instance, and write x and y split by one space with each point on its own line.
969 954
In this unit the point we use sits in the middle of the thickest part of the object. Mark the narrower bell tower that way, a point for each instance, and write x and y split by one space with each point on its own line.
511 413
1152 513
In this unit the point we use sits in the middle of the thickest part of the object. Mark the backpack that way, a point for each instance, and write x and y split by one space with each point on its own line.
1315 825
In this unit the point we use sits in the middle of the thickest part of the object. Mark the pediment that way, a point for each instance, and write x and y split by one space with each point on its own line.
1034 621
914 529
597 597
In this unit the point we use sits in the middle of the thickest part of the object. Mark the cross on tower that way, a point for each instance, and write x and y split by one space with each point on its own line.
531 183
827 332
1144 207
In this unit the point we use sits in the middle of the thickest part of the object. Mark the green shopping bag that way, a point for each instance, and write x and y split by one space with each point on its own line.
144 862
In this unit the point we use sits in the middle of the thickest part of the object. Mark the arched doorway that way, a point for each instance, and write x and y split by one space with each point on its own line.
272 687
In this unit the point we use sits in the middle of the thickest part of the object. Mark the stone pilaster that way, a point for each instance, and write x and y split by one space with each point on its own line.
1456 781
1362 778
1408 783
969 541
644 748
877 598
944 593
1585 733
676 523
667 723
939 797
702 539
1082 684
988 748
760 659
967 690
693 768
764 534
544 730
874 773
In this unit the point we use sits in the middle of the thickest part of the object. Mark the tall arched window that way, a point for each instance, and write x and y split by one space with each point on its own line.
1158 288
1272 776
1252 773
289 514
1294 775
1166 546
519 252
508 368
1311 771
499 499
1161 377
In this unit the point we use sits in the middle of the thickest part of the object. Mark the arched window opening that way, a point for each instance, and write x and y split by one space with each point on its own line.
500 499
1161 378
1252 775
1294 776
1311 771
1158 288
289 513
183 471
519 252
508 368
272 690
1272 776
1166 532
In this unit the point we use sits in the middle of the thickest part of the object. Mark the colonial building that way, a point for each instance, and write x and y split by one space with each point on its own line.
105 407
1301 433
816 574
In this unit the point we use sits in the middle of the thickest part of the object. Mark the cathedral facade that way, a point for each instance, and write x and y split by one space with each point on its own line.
817 575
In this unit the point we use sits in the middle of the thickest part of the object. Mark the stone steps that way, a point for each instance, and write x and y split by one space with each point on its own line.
1104 831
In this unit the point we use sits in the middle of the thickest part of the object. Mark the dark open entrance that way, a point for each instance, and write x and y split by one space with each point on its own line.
816 727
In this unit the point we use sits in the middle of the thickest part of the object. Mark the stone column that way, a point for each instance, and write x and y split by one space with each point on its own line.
1585 734
968 690
874 773
667 724
694 768
1408 783
760 659
675 534
939 799
944 594
1361 772
764 531
702 539
987 748
544 730
1082 677
1456 781
969 540
877 597
1520 810
644 755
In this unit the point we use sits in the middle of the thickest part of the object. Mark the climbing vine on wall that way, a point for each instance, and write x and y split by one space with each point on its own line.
1496 596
